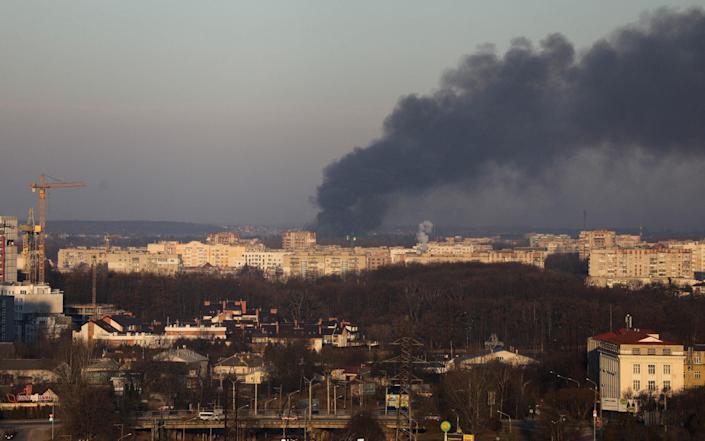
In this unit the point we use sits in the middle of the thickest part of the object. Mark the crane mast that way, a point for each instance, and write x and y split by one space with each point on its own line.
41 188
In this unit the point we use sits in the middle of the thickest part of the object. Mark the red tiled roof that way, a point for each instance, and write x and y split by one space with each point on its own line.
632 336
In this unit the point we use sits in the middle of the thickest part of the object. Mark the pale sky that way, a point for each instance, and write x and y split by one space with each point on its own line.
227 111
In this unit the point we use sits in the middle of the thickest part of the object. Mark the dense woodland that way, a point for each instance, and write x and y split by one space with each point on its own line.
528 308
545 313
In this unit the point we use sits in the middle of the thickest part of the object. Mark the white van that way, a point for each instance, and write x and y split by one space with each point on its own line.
209 415
206 415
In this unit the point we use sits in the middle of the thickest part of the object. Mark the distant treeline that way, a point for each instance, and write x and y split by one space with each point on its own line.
131 228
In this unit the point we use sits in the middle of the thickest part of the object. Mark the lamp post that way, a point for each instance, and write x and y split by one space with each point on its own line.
563 377
594 410
288 407
122 429
508 416
52 419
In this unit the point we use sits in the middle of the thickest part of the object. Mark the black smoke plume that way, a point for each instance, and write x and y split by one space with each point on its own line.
641 88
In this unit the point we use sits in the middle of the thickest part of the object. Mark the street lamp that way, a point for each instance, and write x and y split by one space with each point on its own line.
594 410
508 416
562 377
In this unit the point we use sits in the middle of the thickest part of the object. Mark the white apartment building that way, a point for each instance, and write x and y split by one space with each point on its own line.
553 243
121 260
631 362
454 246
34 299
268 261
635 267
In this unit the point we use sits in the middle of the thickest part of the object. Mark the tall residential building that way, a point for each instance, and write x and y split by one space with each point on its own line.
298 239
223 238
8 249
270 262
630 362
121 260
553 243
635 267
38 310
7 319
697 249
595 239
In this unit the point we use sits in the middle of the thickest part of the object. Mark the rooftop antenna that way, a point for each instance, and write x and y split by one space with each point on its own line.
628 321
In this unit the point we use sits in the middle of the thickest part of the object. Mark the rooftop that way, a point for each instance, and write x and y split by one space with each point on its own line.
631 336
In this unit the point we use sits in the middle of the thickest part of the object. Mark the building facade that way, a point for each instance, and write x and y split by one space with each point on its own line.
694 368
635 267
298 239
628 363
8 249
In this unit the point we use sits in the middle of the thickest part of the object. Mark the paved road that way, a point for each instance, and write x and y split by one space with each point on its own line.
28 430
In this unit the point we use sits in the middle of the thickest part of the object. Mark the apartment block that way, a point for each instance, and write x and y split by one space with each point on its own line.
7 319
122 260
635 267
271 262
298 239
553 243
223 238
631 362
595 239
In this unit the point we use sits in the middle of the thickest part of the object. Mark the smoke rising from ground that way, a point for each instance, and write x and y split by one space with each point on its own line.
425 228
528 111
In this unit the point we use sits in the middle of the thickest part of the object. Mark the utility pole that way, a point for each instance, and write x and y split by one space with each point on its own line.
327 393
94 297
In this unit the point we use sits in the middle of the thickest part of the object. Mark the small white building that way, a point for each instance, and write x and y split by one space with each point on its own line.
498 354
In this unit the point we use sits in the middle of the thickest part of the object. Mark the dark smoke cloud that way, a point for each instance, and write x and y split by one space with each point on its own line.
641 89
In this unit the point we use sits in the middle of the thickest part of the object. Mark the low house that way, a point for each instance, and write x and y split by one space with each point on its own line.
196 364
30 393
115 331
497 354
248 368
26 371
284 333
100 370
340 333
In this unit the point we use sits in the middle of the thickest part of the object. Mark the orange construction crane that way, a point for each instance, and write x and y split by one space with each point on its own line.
41 188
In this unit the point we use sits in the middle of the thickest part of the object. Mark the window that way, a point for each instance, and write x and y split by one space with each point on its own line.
636 351
697 375
636 369
652 385
667 369
667 385
651 351
696 357
652 369
666 351
636 385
